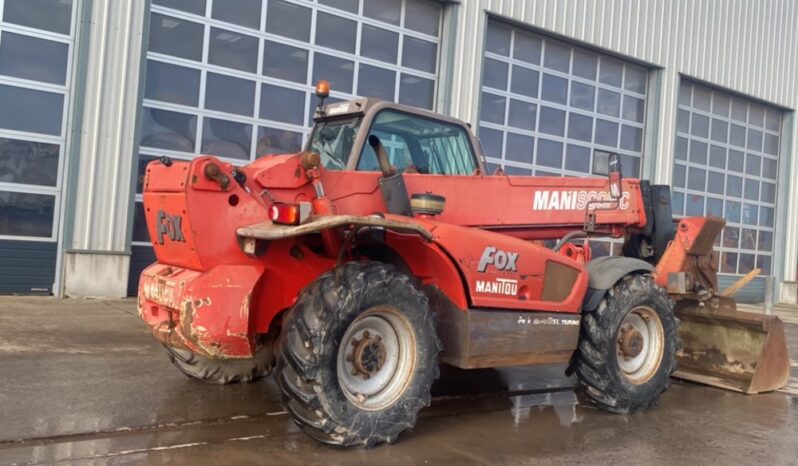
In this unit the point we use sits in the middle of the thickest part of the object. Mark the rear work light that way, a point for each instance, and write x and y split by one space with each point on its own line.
290 214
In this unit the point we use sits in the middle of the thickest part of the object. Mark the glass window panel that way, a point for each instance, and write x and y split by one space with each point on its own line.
769 193
376 82
719 130
769 168
338 72
526 47
714 207
752 189
491 141
736 160
277 141
196 7
285 62
40 14
26 214
631 138
383 10
552 121
681 148
756 115
633 108
630 166
31 110
717 156
698 152
335 32
696 179
610 72
554 89
517 171
679 175
739 109
524 81
242 12
577 158
498 38
763 262
519 148
635 79
715 182
750 214
28 162
683 121
495 74
728 262
733 212
282 104
226 138
677 202
492 108
549 153
746 263
176 37
419 54
699 126
233 50
606 133
608 103
773 120
585 64
737 135
720 104
418 92
765 241
734 186
140 232
582 95
164 129
423 16
29 57
580 127
557 56
685 93
754 140
753 164
379 44
288 20
522 115
346 5
765 217
702 98
771 144
695 205
172 83
228 94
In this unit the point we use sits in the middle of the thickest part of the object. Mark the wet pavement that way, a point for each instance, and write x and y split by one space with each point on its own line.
84 383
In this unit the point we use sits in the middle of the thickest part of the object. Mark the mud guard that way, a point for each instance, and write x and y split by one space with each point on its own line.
605 272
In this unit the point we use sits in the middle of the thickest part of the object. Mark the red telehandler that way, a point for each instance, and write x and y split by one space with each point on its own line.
357 266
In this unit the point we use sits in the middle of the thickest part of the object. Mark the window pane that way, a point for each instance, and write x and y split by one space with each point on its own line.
771 144
577 158
33 58
524 81
415 91
191 6
379 44
498 38
717 156
552 121
633 108
630 166
25 214
695 205
277 141
769 168
338 72
715 182
585 64
242 12
229 94
288 20
522 115
756 115
773 121
28 162
679 175
728 262
281 104
527 47
719 130
176 37
752 190
519 148
721 104
754 140
495 74
732 212
557 57
40 14
285 62
335 32
753 164
714 207
739 110
492 108
580 127
631 138
549 153
696 179
423 16
163 129
699 126
31 110
765 217
376 82
582 95
736 160
680 151
554 89
172 83
698 152
346 5
635 79
701 98
491 141
606 133
226 138
233 50
765 241
383 10
610 72
750 214
609 103
419 54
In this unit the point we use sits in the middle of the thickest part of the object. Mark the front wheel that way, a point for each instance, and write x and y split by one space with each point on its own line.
627 347
357 355
224 371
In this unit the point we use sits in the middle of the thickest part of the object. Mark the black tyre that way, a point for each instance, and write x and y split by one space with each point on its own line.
357 355
627 347
224 371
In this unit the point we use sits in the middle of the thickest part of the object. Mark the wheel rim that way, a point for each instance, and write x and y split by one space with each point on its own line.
640 344
377 358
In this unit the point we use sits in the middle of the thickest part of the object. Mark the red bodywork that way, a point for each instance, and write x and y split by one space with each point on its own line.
205 294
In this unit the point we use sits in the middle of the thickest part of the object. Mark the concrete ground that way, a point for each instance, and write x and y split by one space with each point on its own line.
83 382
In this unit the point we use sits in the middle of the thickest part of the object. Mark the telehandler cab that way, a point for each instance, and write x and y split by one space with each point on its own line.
384 248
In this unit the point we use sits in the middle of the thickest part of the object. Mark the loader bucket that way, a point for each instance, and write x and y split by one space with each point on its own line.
731 349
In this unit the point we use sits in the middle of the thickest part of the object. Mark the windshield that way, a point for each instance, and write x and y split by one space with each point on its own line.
333 141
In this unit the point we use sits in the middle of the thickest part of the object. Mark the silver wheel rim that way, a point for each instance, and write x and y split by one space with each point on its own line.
640 344
377 358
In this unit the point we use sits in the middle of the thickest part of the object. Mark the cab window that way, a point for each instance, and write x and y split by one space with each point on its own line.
415 144
333 141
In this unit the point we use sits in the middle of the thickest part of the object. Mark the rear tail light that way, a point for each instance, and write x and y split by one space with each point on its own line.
290 214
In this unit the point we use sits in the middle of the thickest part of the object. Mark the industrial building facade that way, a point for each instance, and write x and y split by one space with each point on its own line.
700 95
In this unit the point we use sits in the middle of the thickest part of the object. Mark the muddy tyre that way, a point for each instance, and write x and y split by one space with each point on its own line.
223 371
357 355
627 347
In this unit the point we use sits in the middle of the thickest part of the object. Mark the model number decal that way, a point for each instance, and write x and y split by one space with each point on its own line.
531 320
502 260
577 200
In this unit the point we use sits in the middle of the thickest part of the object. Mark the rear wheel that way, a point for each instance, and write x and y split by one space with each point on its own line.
357 355
224 371
627 347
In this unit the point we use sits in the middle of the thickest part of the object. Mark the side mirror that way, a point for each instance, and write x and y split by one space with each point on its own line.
609 164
